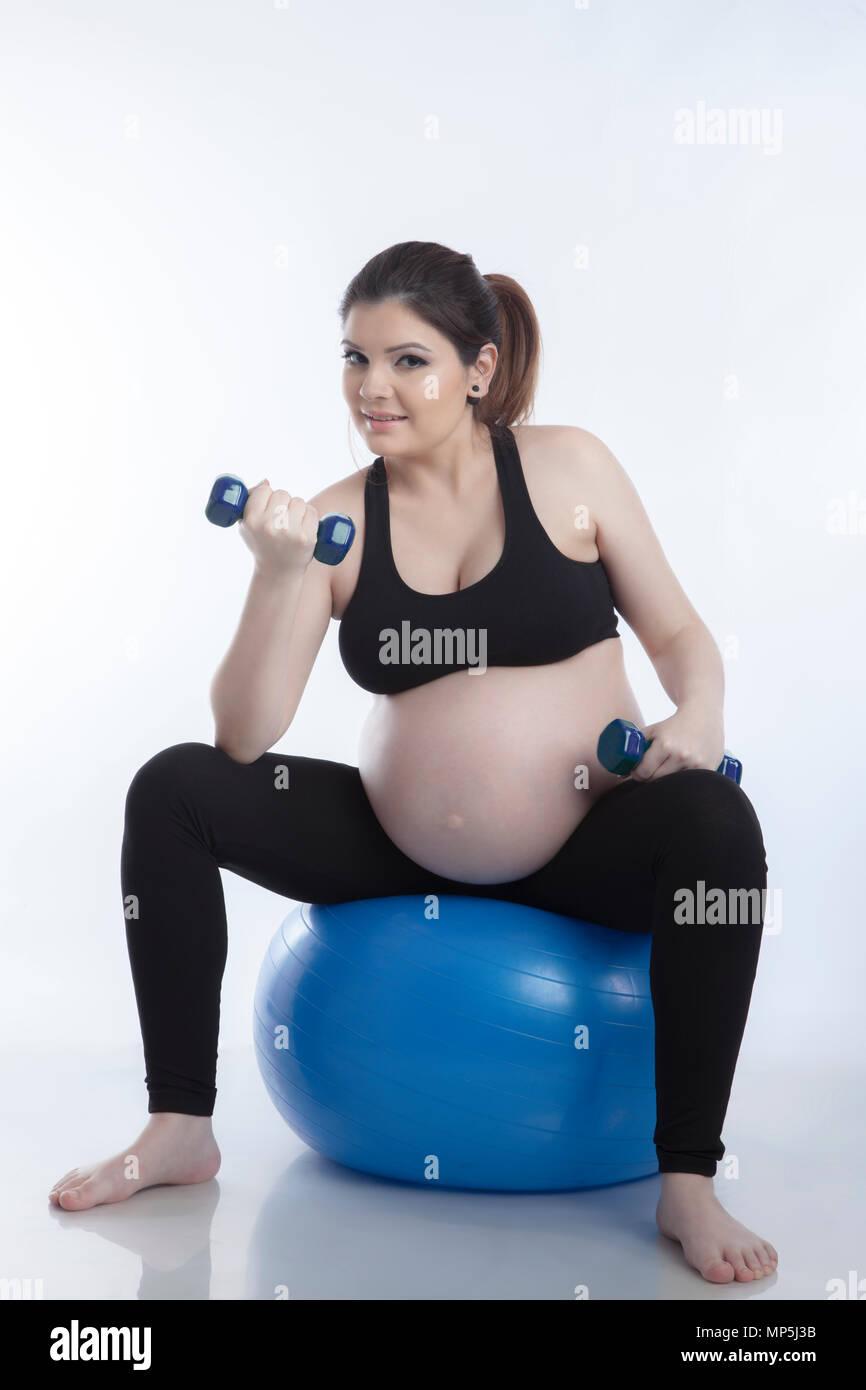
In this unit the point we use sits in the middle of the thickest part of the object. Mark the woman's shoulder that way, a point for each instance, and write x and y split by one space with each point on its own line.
556 440
552 459
562 456
559 455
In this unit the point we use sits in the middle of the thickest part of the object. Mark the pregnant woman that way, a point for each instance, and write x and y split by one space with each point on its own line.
477 606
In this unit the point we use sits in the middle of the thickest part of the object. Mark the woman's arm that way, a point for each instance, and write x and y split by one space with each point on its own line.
690 668
248 691
649 596
262 677
644 587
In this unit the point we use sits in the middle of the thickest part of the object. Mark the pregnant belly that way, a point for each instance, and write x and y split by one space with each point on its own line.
483 777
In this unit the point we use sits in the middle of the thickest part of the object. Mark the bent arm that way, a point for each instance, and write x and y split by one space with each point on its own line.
248 691
645 589
690 668
261 679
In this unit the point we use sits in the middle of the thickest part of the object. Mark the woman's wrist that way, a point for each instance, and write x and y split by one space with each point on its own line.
284 578
708 705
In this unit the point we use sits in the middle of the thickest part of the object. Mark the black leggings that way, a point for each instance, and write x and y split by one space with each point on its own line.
191 810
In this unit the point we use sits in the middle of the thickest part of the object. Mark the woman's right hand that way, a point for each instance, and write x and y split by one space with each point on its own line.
280 530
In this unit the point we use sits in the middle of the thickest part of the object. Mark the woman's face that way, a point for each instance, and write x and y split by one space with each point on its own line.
397 364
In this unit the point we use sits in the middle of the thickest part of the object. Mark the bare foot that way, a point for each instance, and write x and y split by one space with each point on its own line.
719 1247
170 1149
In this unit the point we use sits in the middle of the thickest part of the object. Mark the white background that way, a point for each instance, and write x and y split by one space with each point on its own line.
184 199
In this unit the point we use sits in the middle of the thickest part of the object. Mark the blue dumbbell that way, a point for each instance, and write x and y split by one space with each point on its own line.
227 500
622 745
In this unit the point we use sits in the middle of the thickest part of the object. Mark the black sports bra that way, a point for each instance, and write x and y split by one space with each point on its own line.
536 606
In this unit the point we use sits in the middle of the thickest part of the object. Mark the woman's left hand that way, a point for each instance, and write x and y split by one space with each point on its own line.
693 737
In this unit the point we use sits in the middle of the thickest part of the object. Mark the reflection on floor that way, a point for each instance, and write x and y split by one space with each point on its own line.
280 1221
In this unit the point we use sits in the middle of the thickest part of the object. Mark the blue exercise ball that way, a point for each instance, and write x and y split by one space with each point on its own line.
491 1046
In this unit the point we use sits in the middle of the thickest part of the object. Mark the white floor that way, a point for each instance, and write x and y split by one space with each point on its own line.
279 1215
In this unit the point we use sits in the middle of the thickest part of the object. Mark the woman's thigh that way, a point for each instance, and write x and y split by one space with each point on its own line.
609 869
304 828
299 826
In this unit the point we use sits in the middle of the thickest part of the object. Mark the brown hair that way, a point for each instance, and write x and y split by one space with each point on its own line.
445 288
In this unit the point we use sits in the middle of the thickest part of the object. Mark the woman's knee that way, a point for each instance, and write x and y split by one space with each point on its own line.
171 770
710 808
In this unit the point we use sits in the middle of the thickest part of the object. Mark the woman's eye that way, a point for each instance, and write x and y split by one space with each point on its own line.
407 356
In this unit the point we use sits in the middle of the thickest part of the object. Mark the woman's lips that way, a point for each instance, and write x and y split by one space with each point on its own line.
382 424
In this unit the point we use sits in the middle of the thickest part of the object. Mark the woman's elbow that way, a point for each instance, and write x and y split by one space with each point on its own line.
236 753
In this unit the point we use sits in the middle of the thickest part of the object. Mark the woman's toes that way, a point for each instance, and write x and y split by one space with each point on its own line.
755 1263
66 1176
767 1258
66 1182
73 1198
733 1255
718 1271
